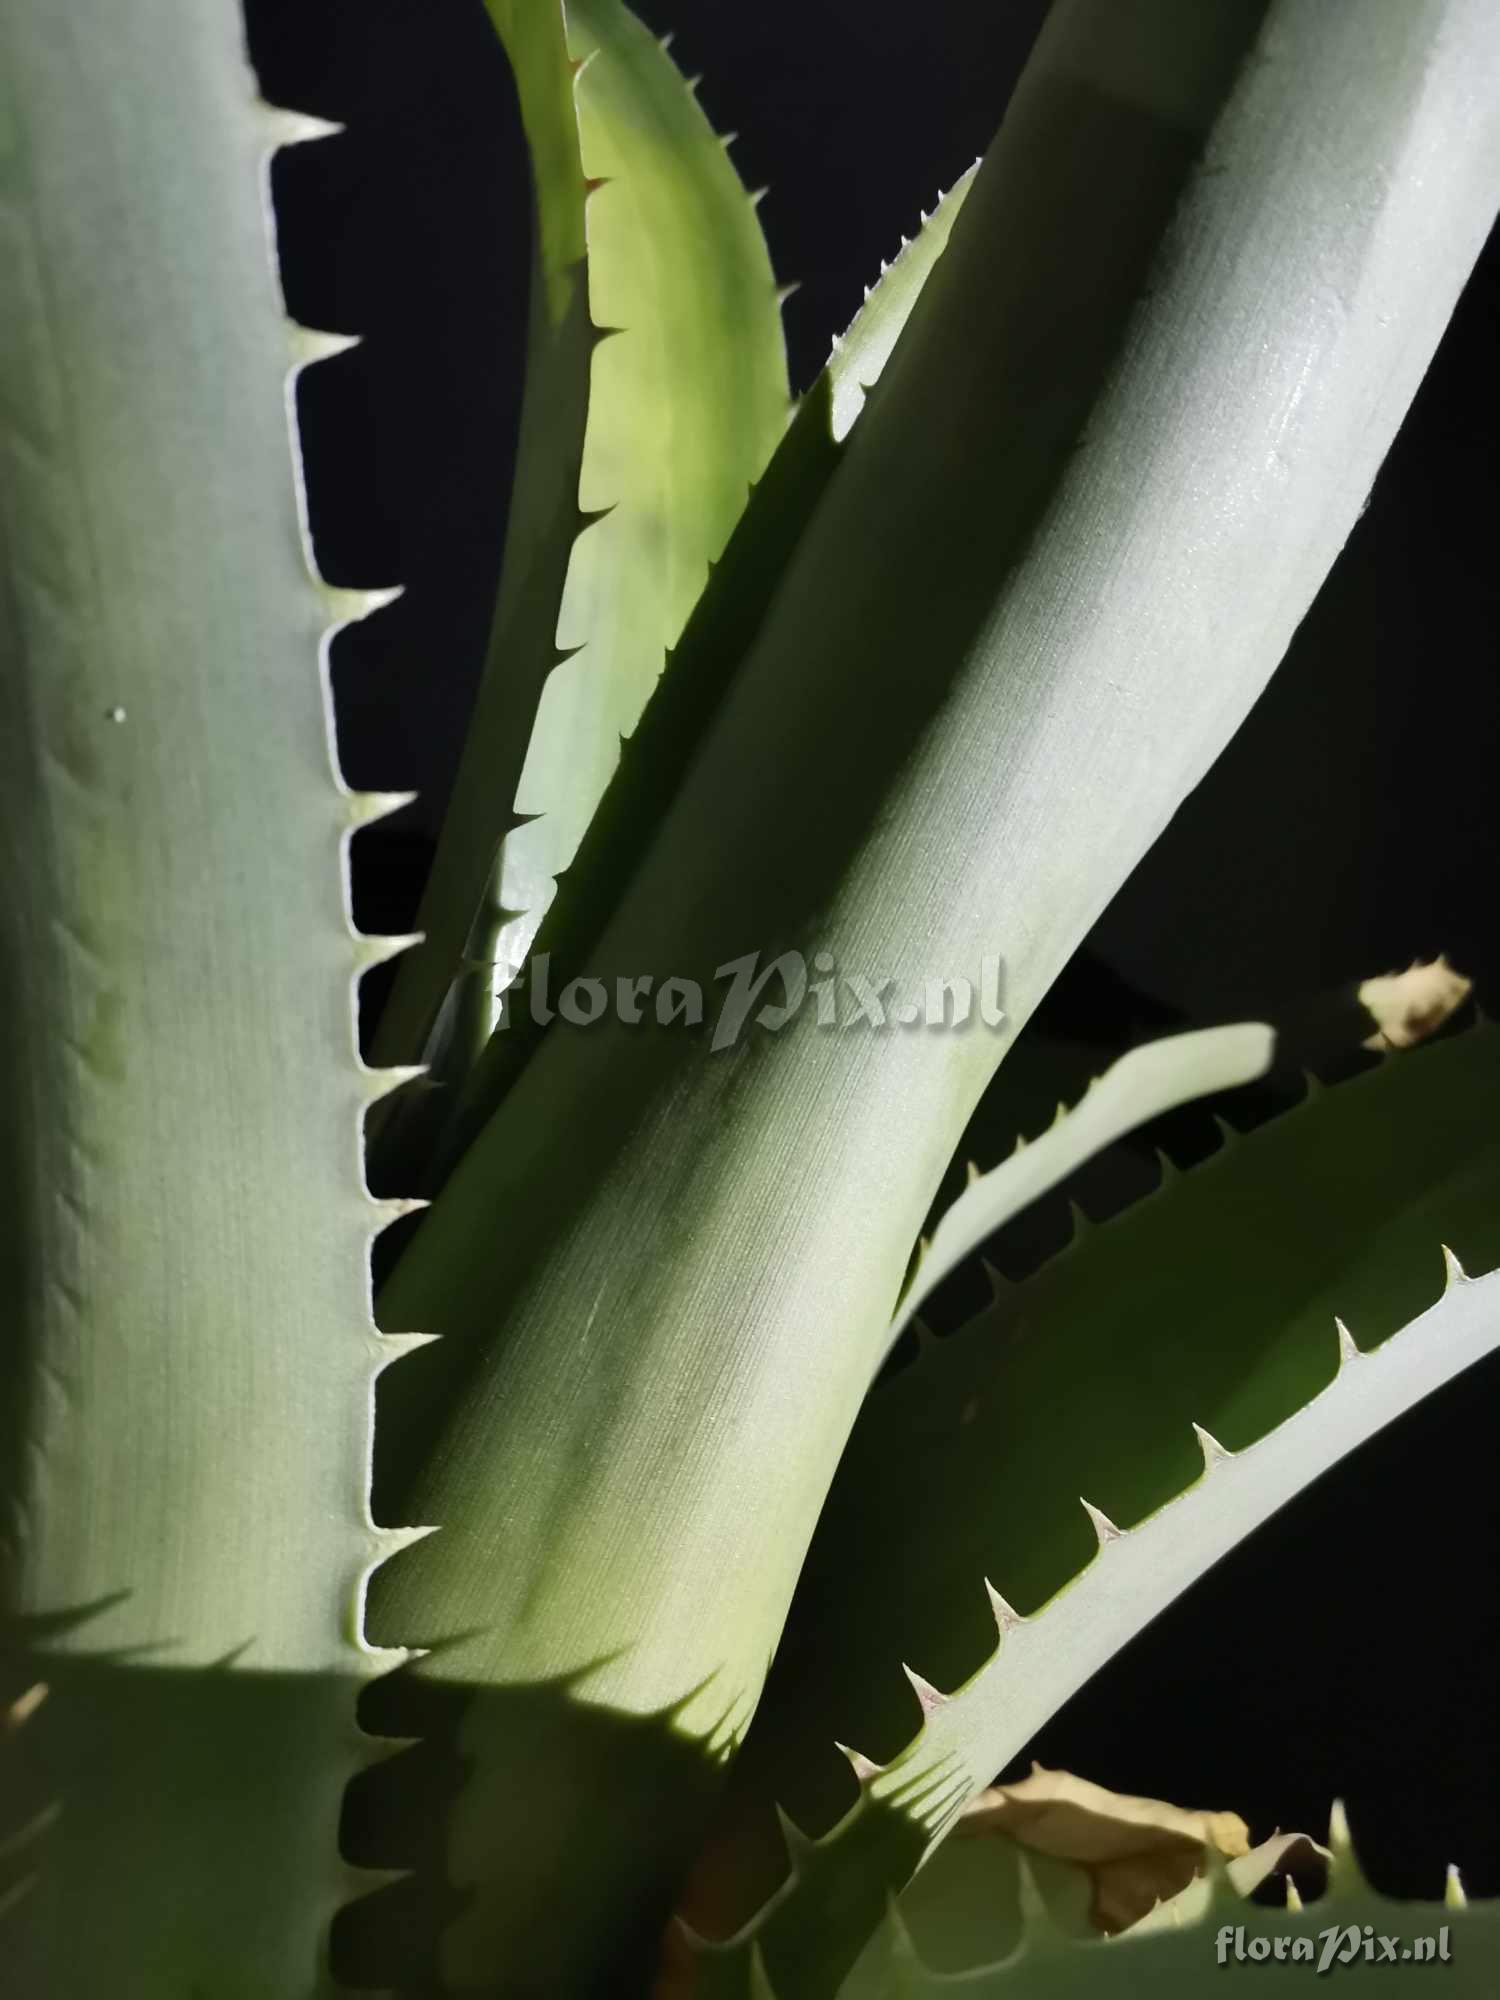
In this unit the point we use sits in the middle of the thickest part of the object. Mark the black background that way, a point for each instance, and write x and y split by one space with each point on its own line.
1350 1646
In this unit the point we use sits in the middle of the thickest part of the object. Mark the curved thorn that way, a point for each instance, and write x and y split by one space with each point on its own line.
392 1208
1293 1897
292 128
350 606
366 807
371 950
380 1083
1000 1286
393 1347
1454 1272
388 1542
1453 1890
1348 1347
797 1842
863 1767
1104 1527
310 346
930 1697
1213 1452
1006 1615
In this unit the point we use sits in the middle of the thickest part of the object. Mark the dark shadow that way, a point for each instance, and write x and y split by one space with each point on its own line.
189 1825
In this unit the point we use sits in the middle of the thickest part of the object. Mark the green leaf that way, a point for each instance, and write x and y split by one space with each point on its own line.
1109 464
1087 1855
656 391
1351 1927
1150 1080
187 1347
699 673
1214 1304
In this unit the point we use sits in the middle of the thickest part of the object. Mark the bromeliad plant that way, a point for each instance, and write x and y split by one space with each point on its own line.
1005 583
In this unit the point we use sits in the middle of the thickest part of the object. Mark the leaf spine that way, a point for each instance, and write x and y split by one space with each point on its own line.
930 1697
1213 1452
364 808
797 1843
292 128
863 1767
1006 1615
380 1083
371 950
393 1349
309 346
394 1208
1453 1272
350 606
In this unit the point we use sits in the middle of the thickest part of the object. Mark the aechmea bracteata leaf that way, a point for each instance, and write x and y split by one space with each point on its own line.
700 668
1046 583
1193 1346
188 1351
1385 1943
656 391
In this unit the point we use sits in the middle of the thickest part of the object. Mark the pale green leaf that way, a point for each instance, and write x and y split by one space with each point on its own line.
1213 1303
1151 1080
1049 579
656 392
1387 1946
188 1351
